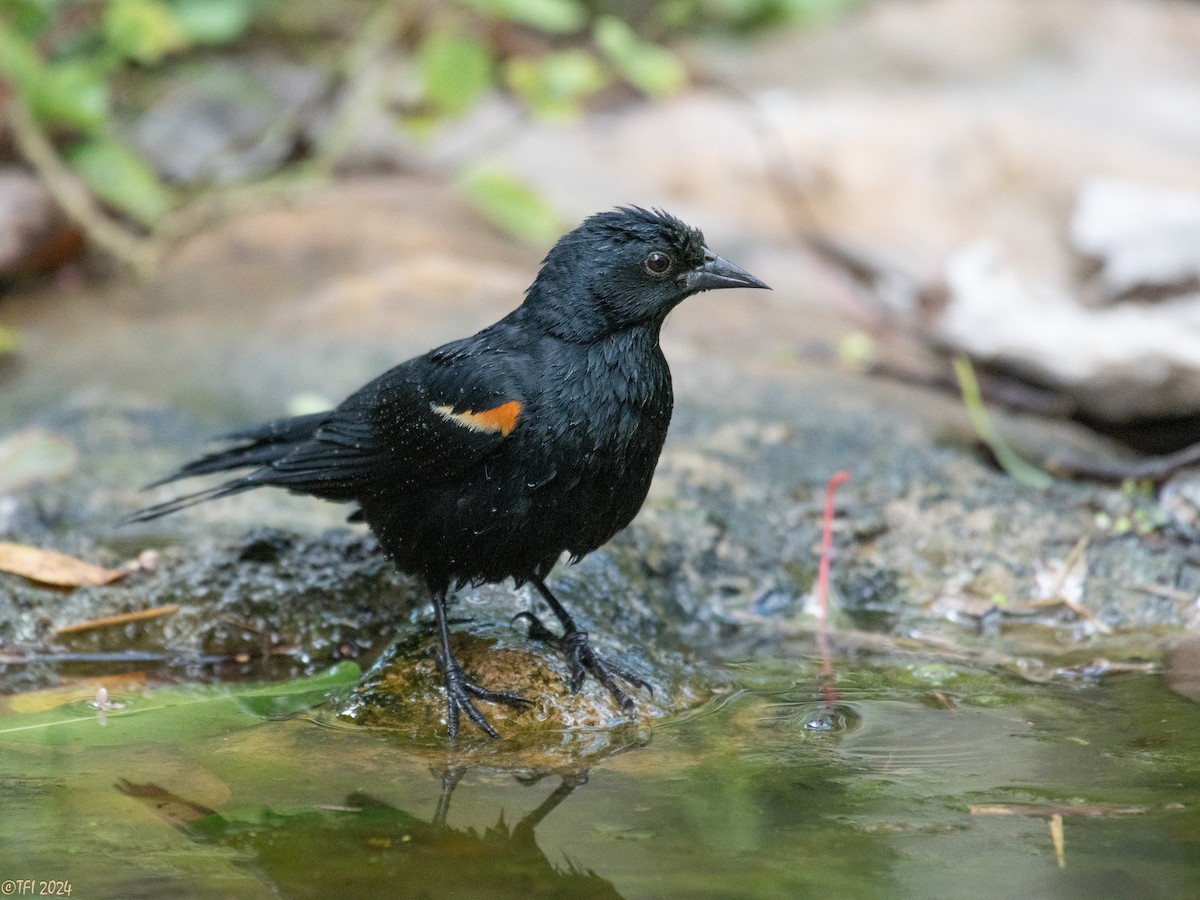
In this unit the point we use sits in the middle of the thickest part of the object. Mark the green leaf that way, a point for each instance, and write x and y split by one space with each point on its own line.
213 21
510 204
18 60
1006 456
653 70
556 16
143 31
554 84
175 714
30 17
70 93
121 179
455 71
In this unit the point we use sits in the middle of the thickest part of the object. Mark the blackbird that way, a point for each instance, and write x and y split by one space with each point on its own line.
490 457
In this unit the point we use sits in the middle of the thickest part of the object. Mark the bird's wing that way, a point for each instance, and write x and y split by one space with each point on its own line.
422 423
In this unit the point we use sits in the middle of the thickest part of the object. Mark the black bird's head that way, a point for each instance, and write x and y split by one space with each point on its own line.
623 268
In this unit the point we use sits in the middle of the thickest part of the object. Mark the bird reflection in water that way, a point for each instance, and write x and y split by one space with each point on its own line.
366 847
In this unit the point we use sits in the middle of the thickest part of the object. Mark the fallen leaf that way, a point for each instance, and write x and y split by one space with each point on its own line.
58 569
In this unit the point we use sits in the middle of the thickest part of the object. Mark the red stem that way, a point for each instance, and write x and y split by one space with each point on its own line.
835 482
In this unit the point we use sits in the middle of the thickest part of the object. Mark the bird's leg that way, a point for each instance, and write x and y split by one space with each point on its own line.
578 650
458 689
451 776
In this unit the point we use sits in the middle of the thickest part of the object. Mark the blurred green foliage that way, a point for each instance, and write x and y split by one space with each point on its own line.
64 56
76 63
510 204
654 70
555 84
554 16
752 15
456 70
119 177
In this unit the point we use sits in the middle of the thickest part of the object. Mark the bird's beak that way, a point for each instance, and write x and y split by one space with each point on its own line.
716 273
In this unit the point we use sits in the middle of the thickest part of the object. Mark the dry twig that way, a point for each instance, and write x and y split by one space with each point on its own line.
119 619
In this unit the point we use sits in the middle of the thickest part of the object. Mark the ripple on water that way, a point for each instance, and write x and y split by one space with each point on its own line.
883 732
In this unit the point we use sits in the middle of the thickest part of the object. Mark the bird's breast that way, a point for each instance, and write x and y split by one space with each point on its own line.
593 439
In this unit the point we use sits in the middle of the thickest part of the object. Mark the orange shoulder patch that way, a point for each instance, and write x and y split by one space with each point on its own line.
502 418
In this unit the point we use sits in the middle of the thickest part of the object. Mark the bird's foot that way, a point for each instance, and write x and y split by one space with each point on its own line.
460 690
582 659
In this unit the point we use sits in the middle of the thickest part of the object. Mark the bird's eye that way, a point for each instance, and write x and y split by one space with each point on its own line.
657 263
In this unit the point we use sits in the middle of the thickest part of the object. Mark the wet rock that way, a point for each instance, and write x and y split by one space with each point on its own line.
318 600
1179 502
403 691
631 622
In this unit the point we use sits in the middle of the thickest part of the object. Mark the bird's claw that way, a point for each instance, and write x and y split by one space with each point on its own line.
582 659
460 690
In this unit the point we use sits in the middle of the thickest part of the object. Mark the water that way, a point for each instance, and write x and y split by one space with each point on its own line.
927 781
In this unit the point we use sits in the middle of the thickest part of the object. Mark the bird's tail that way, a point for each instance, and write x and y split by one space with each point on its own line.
158 510
255 448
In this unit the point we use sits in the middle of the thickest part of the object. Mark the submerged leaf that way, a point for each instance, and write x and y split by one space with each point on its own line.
175 714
